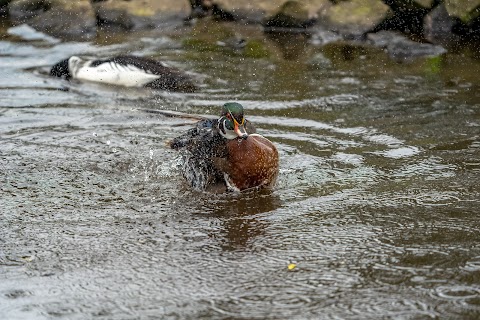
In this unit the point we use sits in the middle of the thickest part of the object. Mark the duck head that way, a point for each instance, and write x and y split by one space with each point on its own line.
231 124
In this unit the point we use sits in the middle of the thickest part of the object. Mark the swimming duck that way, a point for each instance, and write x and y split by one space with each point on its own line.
227 153
128 71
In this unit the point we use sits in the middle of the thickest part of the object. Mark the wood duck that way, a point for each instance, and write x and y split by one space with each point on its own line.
128 71
226 153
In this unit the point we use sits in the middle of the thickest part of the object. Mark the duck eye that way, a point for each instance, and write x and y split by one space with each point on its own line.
229 124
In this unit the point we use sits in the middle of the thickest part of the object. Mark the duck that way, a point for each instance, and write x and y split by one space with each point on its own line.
124 70
226 154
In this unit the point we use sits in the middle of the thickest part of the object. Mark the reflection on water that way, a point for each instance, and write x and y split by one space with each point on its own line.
376 202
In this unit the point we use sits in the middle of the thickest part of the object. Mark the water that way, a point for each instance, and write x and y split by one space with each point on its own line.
376 204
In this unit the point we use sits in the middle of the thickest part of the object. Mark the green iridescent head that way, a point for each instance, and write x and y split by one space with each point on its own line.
232 121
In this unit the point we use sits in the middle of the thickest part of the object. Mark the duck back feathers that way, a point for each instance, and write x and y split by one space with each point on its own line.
127 70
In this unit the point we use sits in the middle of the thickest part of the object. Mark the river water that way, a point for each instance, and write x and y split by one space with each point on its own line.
376 209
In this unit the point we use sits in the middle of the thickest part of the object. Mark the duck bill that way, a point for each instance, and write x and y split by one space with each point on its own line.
240 130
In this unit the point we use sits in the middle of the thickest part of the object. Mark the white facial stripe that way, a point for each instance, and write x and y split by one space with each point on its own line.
229 134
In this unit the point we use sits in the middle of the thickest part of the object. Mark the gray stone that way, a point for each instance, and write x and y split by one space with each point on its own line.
400 48
438 25
465 10
60 18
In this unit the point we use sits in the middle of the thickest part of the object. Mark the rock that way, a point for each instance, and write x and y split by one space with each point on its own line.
292 14
466 10
438 26
406 16
353 17
319 61
259 11
60 18
4 7
4 3
402 49
140 14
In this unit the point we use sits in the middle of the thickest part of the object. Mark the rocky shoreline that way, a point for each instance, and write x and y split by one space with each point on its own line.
425 25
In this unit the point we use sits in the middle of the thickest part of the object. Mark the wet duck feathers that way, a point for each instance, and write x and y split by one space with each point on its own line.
126 70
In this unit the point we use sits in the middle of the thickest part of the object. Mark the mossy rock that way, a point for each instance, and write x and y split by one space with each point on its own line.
466 10
356 16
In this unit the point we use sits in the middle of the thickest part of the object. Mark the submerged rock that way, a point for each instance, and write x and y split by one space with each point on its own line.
401 48
60 18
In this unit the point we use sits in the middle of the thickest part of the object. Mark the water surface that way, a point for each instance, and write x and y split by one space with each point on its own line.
376 203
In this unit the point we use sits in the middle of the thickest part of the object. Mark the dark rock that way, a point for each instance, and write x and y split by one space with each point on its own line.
292 15
406 17
438 27
205 8
402 49
60 18
4 7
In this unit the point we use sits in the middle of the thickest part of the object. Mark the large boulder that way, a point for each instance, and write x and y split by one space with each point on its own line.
351 15
60 18
261 10
354 16
140 14
465 10
292 14
438 26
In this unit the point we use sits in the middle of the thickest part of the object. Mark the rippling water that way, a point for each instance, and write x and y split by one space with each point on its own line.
377 202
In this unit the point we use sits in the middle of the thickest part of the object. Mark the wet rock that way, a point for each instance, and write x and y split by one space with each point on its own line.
321 36
61 18
260 11
465 10
140 14
406 16
438 26
319 61
292 15
353 18
401 48
4 7
204 8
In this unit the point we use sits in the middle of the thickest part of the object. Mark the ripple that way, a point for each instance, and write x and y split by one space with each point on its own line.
457 292
473 265
399 153
337 100
347 158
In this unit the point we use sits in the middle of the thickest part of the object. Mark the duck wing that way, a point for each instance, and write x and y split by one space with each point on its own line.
158 75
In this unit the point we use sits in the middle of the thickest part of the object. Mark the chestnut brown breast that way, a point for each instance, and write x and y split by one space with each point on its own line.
252 162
